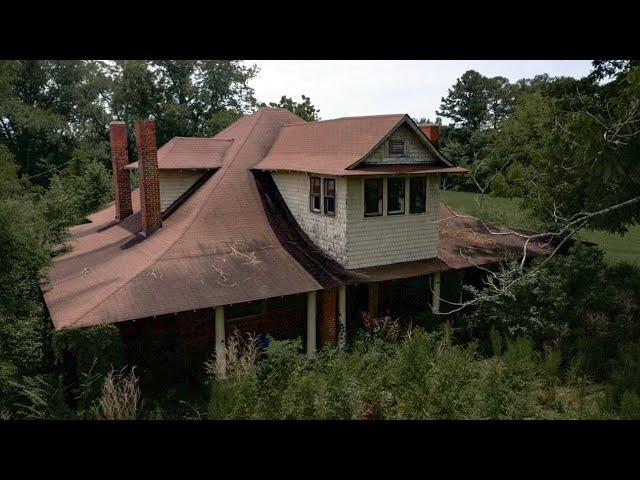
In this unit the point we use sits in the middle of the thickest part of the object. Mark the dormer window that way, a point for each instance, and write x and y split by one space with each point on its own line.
315 195
329 196
397 148
395 201
373 197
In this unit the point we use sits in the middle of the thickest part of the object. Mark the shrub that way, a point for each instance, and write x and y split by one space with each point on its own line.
121 397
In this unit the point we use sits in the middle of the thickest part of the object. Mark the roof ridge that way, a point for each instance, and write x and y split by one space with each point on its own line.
346 118
186 227
204 138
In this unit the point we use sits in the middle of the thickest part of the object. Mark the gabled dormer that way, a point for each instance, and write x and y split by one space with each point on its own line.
364 189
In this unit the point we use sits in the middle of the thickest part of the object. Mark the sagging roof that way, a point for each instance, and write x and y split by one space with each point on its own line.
216 249
337 147
220 246
191 153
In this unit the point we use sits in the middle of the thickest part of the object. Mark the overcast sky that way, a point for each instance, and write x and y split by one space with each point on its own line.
340 88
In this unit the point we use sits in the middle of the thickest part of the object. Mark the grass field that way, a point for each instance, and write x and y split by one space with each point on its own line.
508 212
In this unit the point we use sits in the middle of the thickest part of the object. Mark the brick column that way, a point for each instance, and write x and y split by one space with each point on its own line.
149 176
328 323
342 316
119 159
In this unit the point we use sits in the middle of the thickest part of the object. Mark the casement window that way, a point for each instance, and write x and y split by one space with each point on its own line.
417 194
329 196
397 148
314 194
373 197
395 194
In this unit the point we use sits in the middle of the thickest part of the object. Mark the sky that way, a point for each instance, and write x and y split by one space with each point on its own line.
342 88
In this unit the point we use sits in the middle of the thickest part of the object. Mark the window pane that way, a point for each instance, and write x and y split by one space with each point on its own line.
329 187
373 197
329 205
418 195
396 195
314 201
315 185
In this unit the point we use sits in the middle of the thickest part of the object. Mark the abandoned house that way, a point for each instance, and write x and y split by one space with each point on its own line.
274 225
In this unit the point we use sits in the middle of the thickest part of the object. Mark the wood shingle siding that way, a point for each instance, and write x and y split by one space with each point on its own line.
174 183
415 150
373 241
326 231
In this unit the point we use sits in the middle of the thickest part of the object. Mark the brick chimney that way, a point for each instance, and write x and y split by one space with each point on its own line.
119 159
432 131
149 178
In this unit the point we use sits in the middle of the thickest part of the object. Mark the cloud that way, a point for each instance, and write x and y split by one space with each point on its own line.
342 88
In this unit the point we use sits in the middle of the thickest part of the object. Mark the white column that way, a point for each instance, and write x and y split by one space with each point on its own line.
342 315
311 323
435 302
221 349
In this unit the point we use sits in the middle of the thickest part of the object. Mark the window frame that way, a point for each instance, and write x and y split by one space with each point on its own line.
397 155
403 182
312 195
381 182
411 189
325 196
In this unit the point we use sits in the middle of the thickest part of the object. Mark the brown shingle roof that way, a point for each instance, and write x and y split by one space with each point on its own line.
191 152
334 147
218 248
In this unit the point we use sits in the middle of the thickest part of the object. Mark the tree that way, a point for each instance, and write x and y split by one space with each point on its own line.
575 145
476 104
186 97
304 109
24 328
47 108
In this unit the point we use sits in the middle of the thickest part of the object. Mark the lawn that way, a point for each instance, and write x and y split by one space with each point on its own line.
507 212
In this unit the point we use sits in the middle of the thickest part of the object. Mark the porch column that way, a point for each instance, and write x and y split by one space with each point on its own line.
342 315
311 323
373 299
221 350
435 301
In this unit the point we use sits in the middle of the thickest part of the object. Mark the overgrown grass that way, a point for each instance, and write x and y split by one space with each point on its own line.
417 375
504 211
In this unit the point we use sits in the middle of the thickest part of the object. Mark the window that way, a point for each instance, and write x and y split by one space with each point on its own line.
396 148
329 196
417 194
395 193
373 197
314 196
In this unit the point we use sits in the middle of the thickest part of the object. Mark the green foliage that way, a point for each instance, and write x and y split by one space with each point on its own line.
83 187
304 109
186 97
24 327
476 101
97 350
420 376
630 406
